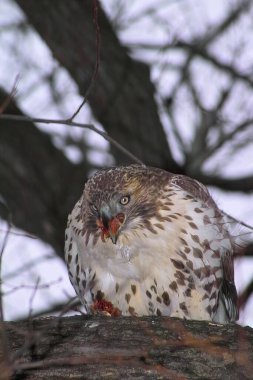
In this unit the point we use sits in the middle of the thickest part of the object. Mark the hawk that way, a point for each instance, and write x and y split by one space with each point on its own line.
143 241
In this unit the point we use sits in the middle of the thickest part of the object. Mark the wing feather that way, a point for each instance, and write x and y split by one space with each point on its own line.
228 293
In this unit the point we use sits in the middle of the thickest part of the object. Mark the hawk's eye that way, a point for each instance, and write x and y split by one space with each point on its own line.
124 200
93 208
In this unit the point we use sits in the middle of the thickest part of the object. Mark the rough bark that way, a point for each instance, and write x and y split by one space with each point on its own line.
38 183
123 96
142 348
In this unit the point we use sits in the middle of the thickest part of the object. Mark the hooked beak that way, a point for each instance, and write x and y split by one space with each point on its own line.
110 225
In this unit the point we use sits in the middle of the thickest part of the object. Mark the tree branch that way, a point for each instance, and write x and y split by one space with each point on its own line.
113 348
38 183
244 184
235 13
203 53
72 123
123 100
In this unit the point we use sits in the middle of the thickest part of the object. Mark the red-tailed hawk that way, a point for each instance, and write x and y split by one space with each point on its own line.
148 242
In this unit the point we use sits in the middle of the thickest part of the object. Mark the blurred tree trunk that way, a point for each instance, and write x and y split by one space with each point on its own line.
38 184
122 98
127 348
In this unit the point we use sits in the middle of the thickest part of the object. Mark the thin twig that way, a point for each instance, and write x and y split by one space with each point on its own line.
70 305
32 298
20 234
61 307
95 72
73 124
34 287
27 266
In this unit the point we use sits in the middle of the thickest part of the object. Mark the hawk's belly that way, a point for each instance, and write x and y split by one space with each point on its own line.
155 276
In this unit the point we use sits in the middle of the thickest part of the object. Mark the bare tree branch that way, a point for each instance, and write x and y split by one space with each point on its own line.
203 53
144 348
124 98
71 123
235 13
244 184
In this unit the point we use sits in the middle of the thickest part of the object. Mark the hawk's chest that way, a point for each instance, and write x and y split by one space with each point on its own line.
184 237
132 257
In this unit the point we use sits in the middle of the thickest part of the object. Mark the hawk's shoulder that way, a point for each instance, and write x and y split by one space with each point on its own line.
194 188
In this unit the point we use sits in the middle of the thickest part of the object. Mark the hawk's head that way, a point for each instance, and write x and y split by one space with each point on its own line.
121 198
